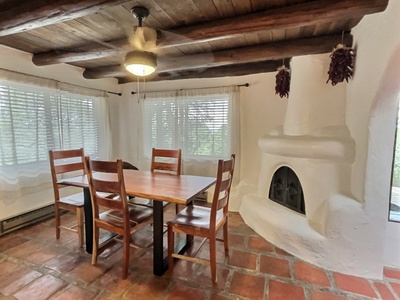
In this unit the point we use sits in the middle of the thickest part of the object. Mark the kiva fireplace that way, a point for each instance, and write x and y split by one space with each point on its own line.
303 203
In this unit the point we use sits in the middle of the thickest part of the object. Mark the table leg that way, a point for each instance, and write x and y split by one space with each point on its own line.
87 207
160 265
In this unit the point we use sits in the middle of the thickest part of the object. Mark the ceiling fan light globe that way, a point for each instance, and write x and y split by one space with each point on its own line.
140 63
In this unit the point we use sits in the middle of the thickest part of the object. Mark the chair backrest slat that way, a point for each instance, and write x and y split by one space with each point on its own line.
166 160
64 162
71 167
222 187
113 184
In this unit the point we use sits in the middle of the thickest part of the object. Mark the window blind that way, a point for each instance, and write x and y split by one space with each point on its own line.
197 121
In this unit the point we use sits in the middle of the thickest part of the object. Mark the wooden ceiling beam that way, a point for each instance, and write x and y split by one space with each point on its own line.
288 17
26 15
224 71
243 55
304 14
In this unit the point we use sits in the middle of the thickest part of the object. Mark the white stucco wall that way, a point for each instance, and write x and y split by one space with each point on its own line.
371 113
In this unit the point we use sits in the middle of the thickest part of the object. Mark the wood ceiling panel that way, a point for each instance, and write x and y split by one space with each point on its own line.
307 31
252 38
242 6
278 35
292 33
208 9
23 44
181 12
225 8
322 28
265 36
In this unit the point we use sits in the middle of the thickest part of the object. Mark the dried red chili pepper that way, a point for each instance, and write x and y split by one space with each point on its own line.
341 66
282 81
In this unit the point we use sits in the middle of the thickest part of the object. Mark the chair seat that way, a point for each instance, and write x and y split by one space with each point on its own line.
75 199
137 215
195 216
145 202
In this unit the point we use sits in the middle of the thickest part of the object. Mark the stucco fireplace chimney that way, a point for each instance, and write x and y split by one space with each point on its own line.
315 143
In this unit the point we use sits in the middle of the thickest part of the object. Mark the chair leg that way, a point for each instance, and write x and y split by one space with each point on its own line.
125 260
79 217
225 232
213 258
171 244
95 244
57 215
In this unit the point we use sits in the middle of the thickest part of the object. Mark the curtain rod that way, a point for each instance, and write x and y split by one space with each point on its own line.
114 93
58 81
238 85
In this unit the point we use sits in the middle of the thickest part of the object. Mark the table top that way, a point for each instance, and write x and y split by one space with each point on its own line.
153 185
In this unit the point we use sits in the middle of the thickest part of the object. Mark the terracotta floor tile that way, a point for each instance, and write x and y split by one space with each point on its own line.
243 259
282 252
245 285
24 249
34 265
111 281
311 274
10 241
236 240
354 284
319 295
396 288
87 272
259 243
218 297
181 292
391 273
44 254
17 279
384 291
41 288
275 266
33 229
203 277
75 293
148 287
183 270
283 291
66 263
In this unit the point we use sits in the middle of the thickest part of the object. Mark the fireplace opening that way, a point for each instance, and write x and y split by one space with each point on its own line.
286 190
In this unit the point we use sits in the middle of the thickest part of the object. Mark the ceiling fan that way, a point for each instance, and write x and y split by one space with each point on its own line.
139 61
144 59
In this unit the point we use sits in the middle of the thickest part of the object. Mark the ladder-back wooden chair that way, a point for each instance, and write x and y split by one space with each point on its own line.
205 222
113 214
65 163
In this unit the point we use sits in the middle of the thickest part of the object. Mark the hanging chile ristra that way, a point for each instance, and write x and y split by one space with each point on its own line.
341 66
282 86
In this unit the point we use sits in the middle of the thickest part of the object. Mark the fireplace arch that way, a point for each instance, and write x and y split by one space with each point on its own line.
285 189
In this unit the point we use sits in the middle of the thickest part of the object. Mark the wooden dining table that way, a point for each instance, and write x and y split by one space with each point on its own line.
180 189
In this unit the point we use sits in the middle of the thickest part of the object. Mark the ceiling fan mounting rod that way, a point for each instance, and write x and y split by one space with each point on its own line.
140 13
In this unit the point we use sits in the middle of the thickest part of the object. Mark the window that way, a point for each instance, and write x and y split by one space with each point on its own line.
394 213
35 119
200 122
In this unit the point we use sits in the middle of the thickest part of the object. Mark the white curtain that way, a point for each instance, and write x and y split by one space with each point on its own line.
39 114
204 123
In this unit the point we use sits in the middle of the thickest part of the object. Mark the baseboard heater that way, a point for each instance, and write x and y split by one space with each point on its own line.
25 219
